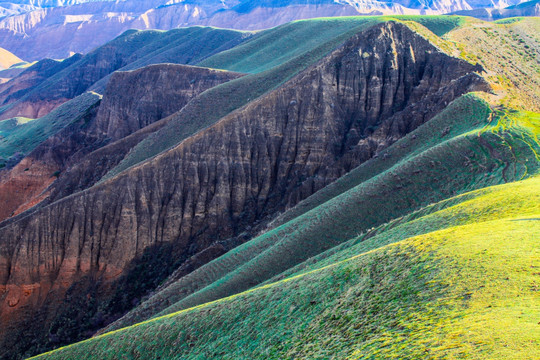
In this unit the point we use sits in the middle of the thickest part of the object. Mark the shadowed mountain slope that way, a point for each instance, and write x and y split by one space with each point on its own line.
288 48
133 101
29 78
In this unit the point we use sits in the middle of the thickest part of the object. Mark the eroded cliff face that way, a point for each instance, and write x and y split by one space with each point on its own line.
253 163
135 99
132 101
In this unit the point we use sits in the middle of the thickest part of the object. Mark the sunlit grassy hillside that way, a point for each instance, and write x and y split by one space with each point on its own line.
457 282
457 278
510 51
414 172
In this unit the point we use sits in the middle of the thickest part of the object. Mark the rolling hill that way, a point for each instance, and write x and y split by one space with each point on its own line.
428 286
356 187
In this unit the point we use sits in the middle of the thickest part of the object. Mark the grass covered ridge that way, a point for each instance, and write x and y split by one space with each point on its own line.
414 172
457 278
463 290
510 52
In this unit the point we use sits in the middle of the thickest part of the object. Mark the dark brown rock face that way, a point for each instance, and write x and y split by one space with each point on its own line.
253 163
135 99
132 101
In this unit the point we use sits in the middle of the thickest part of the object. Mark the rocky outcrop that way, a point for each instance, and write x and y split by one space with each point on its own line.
253 163
133 100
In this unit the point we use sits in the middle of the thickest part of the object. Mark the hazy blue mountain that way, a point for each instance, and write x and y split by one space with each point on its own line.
529 8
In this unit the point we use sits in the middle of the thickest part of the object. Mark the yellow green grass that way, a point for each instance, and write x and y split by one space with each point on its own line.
418 170
465 290
509 50
521 198
454 279
367 268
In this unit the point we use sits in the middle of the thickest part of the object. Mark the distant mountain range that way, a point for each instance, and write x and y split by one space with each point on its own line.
529 8
34 29
16 7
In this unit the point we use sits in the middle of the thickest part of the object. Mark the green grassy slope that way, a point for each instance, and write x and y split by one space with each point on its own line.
27 135
510 52
465 114
500 201
9 125
466 287
409 174
278 45
428 177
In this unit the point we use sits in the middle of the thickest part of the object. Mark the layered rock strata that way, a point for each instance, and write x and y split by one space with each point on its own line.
133 101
